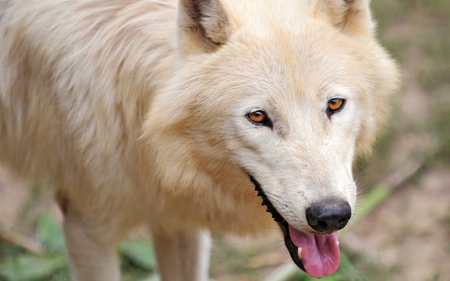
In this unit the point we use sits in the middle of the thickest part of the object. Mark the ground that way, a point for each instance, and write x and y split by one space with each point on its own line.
407 235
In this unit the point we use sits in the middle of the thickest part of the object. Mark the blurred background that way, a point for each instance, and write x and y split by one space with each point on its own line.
402 228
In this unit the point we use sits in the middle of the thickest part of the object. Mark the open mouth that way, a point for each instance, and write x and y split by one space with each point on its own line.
316 254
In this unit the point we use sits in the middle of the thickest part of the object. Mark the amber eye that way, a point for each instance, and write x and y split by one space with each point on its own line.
334 105
259 117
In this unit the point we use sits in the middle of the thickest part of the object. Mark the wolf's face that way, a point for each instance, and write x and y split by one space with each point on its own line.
289 103
296 114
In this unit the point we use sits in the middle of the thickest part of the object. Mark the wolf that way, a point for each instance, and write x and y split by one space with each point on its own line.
190 118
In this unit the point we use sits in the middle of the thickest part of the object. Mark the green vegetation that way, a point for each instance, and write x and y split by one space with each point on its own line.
16 264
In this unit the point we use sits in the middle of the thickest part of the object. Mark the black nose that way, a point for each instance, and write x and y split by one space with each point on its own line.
328 215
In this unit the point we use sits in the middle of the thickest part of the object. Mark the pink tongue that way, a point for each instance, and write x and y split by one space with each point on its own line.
320 253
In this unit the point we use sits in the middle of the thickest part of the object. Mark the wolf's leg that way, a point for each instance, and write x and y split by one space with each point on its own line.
183 256
91 257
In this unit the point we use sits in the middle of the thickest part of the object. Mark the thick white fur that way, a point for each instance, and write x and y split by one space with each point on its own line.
136 112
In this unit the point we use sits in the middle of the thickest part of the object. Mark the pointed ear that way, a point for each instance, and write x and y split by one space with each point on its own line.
203 25
353 17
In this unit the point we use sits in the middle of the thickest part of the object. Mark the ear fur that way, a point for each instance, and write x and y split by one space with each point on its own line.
203 24
352 17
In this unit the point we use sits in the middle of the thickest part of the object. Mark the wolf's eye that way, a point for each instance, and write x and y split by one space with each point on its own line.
335 105
259 117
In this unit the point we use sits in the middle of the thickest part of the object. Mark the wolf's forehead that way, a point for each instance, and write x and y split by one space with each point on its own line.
299 60
266 13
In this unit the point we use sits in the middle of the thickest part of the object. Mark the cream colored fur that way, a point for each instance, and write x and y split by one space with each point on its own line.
135 111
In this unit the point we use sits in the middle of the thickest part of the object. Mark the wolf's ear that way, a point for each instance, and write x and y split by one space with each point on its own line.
203 25
353 17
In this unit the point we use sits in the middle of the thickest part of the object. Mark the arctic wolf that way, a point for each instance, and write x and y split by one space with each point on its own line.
170 115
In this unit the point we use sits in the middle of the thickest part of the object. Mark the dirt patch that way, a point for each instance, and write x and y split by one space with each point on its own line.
410 232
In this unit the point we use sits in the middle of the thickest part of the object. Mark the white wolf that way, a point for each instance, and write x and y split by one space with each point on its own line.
150 112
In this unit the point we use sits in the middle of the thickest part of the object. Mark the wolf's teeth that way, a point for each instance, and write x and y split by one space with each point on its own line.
299 252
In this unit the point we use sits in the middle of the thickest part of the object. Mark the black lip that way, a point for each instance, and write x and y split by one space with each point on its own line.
293 250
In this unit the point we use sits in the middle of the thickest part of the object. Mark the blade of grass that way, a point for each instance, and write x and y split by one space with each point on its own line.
374 198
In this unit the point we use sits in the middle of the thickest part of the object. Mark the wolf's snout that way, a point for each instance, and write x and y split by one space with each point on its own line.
329 215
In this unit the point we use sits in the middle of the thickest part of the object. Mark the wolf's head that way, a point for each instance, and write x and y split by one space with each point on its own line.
284 93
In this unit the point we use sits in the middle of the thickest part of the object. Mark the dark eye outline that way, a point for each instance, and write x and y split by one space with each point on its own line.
264 122
330 111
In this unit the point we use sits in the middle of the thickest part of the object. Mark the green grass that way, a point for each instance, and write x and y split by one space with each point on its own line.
137 257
